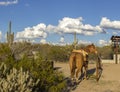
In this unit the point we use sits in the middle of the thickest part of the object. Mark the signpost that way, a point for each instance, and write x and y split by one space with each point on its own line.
116 43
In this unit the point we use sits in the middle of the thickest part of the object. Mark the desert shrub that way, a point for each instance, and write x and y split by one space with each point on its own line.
50 80
59 53
106 52
14 80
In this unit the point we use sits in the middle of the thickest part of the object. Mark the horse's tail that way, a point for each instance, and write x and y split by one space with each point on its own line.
72 62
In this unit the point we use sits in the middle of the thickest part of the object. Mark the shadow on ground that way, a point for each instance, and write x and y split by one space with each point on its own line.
72 85
57 68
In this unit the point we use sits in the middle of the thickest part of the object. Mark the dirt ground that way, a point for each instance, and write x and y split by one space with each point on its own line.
108 82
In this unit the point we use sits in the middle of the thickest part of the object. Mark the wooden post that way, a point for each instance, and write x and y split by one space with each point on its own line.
116 53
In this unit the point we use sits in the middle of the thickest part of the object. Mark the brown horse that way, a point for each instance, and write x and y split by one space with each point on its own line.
78 59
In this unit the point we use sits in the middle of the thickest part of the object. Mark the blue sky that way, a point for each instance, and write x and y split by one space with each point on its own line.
54 21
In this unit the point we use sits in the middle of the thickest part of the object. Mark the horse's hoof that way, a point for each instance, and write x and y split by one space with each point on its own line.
78 81
73 82
72 79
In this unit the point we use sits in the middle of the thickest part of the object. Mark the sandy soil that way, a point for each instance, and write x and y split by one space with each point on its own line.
108 82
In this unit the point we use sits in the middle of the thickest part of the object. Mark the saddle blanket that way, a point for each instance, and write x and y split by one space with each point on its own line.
83 52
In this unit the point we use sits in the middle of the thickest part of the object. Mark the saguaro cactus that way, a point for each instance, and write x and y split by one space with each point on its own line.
75 41
10 35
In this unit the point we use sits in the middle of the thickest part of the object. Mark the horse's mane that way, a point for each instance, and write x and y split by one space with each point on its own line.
89 46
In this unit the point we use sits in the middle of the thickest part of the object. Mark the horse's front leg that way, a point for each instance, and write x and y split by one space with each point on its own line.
85 73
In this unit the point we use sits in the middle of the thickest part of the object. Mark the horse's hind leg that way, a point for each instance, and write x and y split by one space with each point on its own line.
77 73
72 73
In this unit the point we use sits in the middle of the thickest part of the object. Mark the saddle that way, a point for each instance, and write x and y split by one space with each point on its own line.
85 54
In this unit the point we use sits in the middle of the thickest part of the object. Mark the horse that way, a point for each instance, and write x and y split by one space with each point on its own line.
79 59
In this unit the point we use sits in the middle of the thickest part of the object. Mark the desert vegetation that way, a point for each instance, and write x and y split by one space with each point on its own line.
20 71
27 67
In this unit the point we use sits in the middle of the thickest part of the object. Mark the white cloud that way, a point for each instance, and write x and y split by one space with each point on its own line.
108 24
88 27
72 25
84 42
115 33
8 2
104 43
33 32
65 26
43 41
62 39
25 40
101 42
19 40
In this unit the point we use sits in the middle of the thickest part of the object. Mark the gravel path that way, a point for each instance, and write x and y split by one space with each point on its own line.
109 80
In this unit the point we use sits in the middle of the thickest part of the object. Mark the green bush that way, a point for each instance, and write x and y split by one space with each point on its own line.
50 80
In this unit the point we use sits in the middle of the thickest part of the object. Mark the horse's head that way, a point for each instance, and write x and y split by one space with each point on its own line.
92 49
